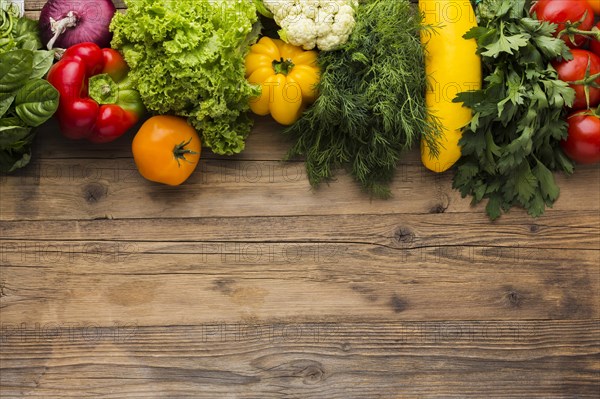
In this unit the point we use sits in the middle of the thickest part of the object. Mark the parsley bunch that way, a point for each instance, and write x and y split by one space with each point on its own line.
511 147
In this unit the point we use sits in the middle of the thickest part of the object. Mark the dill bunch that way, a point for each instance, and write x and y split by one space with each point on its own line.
371 106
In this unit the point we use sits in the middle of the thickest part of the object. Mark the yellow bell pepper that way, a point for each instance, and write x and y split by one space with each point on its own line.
288 76
452 66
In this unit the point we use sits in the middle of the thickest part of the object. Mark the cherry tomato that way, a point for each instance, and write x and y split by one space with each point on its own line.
562 11
166 150
595 5
583 143
575 70
595 44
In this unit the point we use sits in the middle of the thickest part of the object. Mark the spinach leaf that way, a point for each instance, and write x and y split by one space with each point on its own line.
26 101
11 136
11 121
42 61
6 101
11 161
26 34
17 66
36 102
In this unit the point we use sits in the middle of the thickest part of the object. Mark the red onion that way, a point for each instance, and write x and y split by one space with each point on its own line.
64 23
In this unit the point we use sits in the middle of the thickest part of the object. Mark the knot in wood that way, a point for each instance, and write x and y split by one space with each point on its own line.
94 192
398 304
443 205
313 375
404 235
439 208
513 298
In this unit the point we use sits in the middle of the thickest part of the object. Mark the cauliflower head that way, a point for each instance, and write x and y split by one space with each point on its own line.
325 24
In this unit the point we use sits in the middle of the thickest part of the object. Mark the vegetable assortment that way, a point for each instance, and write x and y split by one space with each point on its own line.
581 70
508 94
188 60
564 13
26 99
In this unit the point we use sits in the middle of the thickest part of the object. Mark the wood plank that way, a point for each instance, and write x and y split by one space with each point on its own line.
188 283
222 188
564 230
33 14
286 358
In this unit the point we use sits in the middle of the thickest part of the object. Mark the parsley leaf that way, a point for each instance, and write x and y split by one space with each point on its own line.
506 44
511 147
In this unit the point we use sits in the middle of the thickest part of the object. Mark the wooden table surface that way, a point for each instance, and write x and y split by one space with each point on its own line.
245 283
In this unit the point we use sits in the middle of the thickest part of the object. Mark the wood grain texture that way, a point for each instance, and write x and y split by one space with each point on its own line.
105 184
246 283
187 283
287 359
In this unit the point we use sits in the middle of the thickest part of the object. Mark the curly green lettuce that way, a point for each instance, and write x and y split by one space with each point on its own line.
187 59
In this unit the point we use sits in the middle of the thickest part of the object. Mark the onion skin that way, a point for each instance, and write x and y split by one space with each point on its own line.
93 20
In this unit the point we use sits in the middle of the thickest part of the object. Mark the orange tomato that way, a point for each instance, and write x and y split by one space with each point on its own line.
595 5
166 150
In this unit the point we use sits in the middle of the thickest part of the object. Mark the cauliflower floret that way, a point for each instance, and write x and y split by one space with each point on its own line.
303 33
326 24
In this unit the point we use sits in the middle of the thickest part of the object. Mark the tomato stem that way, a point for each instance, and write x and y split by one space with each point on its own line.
179 151
283 67
572 29
588 81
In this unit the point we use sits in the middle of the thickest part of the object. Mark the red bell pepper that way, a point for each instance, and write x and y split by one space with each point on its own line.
97 100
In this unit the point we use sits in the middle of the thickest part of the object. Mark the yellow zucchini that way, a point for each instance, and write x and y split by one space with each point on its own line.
452 66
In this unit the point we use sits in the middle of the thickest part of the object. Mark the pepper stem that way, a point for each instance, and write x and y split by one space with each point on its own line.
179 151
59 27
283 67
103 89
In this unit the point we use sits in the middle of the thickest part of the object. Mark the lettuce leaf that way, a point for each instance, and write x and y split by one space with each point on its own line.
187 59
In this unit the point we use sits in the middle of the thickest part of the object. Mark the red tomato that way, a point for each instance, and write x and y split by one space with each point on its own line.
595 45
583 143
562 11
575 70
595 5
